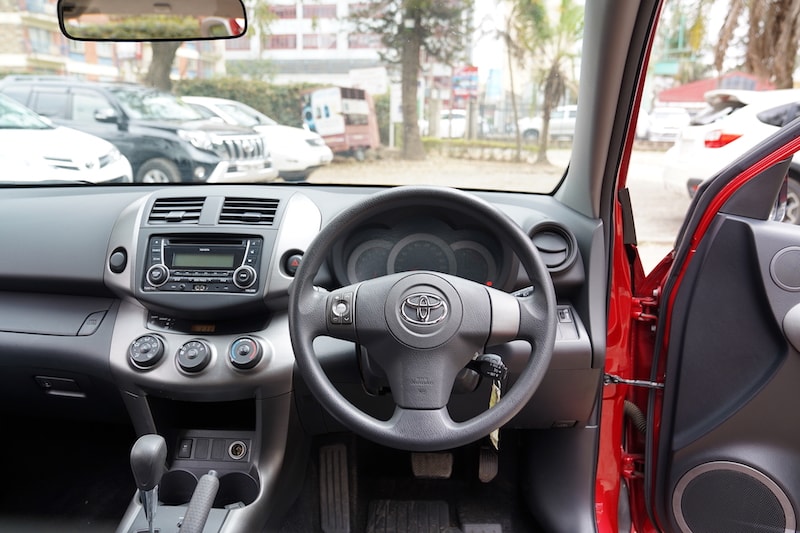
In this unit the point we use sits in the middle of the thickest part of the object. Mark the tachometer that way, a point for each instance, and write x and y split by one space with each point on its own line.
422 251
369 260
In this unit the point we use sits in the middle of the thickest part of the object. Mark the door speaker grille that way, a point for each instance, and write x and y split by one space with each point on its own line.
728 497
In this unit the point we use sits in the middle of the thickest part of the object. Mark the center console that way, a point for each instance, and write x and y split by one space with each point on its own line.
201 348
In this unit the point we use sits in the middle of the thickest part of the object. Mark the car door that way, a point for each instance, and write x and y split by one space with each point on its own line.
721 448
92 112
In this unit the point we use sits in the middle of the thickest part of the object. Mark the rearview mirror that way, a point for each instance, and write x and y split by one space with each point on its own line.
168 20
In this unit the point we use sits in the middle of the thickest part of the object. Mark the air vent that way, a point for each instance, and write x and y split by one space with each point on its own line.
176 211
259 211
557 246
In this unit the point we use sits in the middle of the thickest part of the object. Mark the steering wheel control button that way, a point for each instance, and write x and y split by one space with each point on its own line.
244 277
341 308
245 353
146 351
157 275
194 356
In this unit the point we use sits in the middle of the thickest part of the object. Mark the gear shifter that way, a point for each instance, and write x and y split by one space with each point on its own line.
148 462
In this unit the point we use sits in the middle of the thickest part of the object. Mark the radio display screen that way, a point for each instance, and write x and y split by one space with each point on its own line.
188 260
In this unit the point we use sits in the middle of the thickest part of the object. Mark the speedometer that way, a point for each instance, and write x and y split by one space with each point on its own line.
422 251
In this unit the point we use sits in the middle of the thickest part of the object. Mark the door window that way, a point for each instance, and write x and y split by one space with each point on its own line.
86 104
50 103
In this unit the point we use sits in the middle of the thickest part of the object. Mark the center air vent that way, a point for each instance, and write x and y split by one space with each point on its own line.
557 246
176 211
258 211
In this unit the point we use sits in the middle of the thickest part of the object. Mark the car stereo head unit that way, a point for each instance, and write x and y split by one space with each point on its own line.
203 264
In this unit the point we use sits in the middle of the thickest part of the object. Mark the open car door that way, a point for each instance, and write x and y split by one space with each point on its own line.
722 448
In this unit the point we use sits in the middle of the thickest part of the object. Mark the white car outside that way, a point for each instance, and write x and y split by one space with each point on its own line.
665 123
32 149
295 152
734 122
561 125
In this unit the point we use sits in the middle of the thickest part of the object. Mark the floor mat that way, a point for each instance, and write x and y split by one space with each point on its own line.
64 476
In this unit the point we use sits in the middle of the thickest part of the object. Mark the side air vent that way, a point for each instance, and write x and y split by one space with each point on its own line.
259 211
176 211
556 244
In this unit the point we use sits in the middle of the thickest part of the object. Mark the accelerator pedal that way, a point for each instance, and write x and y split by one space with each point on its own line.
418 516
334 489
488 464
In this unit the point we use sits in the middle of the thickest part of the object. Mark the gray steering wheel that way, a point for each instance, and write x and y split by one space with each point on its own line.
422 328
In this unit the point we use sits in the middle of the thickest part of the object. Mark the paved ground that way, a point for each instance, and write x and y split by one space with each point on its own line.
658 212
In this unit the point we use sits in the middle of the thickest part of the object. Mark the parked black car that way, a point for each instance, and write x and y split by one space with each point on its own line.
164 139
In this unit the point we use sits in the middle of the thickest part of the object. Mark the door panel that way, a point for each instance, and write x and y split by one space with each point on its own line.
723 450
732 386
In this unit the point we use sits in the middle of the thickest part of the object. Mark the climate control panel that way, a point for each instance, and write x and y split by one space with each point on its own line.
195 355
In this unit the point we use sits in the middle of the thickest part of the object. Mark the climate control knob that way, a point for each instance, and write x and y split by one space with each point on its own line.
194 356
245 353
244 277
146 351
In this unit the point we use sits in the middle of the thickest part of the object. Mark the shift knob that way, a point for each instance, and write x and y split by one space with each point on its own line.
148 461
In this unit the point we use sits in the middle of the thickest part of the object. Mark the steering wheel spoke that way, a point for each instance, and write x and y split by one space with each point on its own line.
436 423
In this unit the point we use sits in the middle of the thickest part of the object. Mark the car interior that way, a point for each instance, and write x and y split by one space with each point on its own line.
312 357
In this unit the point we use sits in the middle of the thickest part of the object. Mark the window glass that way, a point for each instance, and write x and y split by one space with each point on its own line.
85 105
50 103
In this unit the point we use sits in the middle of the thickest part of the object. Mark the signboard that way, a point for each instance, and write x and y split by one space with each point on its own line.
465 82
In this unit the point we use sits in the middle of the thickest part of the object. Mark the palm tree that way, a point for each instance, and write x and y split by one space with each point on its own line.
553 46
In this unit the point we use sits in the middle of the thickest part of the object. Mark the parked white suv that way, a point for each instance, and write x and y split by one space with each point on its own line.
562 124
33 149
733 122
296 152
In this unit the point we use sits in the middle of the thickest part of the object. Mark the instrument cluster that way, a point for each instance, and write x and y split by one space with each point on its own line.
422 243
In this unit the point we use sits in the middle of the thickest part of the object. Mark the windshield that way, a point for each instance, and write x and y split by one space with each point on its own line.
490 101
16 117
246 116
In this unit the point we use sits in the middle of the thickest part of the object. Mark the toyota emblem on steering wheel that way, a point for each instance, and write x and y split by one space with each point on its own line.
423 309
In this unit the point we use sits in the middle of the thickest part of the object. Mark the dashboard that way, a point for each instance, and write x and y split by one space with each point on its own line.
168 308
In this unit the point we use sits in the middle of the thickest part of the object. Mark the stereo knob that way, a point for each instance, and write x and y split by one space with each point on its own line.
145 351
194 356
244 277
245 353
157 275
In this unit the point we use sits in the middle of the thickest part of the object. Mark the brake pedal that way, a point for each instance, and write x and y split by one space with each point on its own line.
432 465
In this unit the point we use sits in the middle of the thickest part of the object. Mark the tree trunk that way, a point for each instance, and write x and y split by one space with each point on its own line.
786 46
161 64
514 110
412 143
553 89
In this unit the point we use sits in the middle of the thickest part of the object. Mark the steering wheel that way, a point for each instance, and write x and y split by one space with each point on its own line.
422 327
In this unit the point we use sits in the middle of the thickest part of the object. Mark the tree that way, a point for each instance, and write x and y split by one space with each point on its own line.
770 41
552 46
407 28
523 16
154 28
